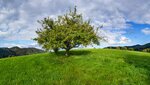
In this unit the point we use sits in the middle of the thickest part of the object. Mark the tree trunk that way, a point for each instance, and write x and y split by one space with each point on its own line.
67 52
68 47
55 50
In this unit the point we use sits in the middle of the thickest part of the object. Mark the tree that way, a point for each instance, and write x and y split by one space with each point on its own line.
131 49
146 50
66 32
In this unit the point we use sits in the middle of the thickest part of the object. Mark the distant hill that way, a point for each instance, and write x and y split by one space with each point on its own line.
145 47
140 47
6 52
16 51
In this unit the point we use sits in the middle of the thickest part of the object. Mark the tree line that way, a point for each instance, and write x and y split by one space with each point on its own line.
142 48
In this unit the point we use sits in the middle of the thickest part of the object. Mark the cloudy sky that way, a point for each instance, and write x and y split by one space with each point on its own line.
126 22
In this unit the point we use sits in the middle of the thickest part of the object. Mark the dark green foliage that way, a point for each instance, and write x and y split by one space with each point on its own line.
66 32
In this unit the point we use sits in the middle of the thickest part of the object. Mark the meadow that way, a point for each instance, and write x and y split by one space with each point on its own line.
83 67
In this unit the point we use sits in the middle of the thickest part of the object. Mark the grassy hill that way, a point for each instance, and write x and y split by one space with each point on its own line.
84 67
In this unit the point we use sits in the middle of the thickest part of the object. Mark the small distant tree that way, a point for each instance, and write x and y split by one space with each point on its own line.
131 49
119 48
146 50
66 32
125 48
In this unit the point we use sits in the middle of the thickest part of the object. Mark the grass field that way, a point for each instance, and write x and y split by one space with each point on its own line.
83 67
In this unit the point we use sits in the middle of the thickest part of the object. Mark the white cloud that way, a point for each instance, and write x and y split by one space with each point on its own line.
24 23
146 31
9 45
124 40
5 13
19 17
115 38
2 33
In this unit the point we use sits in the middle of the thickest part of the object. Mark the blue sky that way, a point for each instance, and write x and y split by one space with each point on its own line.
136 34
125 22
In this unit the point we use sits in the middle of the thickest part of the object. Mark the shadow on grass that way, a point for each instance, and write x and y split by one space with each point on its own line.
139 61
74 53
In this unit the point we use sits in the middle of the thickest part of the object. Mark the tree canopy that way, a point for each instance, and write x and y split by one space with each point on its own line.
66 32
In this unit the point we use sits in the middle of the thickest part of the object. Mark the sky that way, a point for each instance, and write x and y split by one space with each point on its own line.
125 22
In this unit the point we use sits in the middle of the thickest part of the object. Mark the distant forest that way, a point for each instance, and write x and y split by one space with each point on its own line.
143 48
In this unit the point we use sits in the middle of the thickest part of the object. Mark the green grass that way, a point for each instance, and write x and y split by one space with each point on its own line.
83 67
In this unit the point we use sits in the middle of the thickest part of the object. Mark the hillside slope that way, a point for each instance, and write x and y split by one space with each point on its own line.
16 51
5 52
84 67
